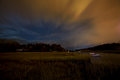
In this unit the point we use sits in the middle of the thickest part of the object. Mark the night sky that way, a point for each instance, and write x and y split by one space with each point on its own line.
72 23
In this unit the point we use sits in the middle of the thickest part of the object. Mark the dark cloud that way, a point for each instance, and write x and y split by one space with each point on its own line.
73 23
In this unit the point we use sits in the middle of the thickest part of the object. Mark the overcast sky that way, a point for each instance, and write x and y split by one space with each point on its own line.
72 23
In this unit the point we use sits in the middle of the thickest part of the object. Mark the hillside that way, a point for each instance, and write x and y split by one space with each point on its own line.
114 47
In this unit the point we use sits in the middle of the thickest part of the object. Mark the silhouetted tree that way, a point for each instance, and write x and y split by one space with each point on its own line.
8 45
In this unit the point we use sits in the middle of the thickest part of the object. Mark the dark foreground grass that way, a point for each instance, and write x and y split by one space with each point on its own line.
55 66
42 70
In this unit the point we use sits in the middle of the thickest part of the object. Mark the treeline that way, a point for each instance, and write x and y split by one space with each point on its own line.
14 46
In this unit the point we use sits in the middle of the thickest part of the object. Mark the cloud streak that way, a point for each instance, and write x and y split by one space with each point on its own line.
72 23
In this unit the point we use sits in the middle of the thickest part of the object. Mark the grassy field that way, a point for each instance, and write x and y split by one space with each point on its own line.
58 66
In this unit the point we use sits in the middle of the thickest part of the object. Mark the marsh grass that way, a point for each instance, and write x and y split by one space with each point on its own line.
57 66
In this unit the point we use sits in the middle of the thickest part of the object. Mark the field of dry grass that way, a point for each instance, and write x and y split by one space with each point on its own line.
58 66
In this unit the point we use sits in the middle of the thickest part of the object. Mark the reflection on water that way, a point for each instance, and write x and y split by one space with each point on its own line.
106 58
